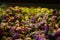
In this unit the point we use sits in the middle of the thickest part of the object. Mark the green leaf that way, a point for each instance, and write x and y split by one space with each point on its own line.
3 6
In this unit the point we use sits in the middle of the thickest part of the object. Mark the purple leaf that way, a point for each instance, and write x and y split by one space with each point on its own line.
54 17
25 22
16 36
39 38
47 27
16 17
26 29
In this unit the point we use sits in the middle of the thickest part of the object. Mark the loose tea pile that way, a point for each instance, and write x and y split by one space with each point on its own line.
29 23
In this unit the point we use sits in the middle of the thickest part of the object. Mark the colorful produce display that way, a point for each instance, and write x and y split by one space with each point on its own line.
29 23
